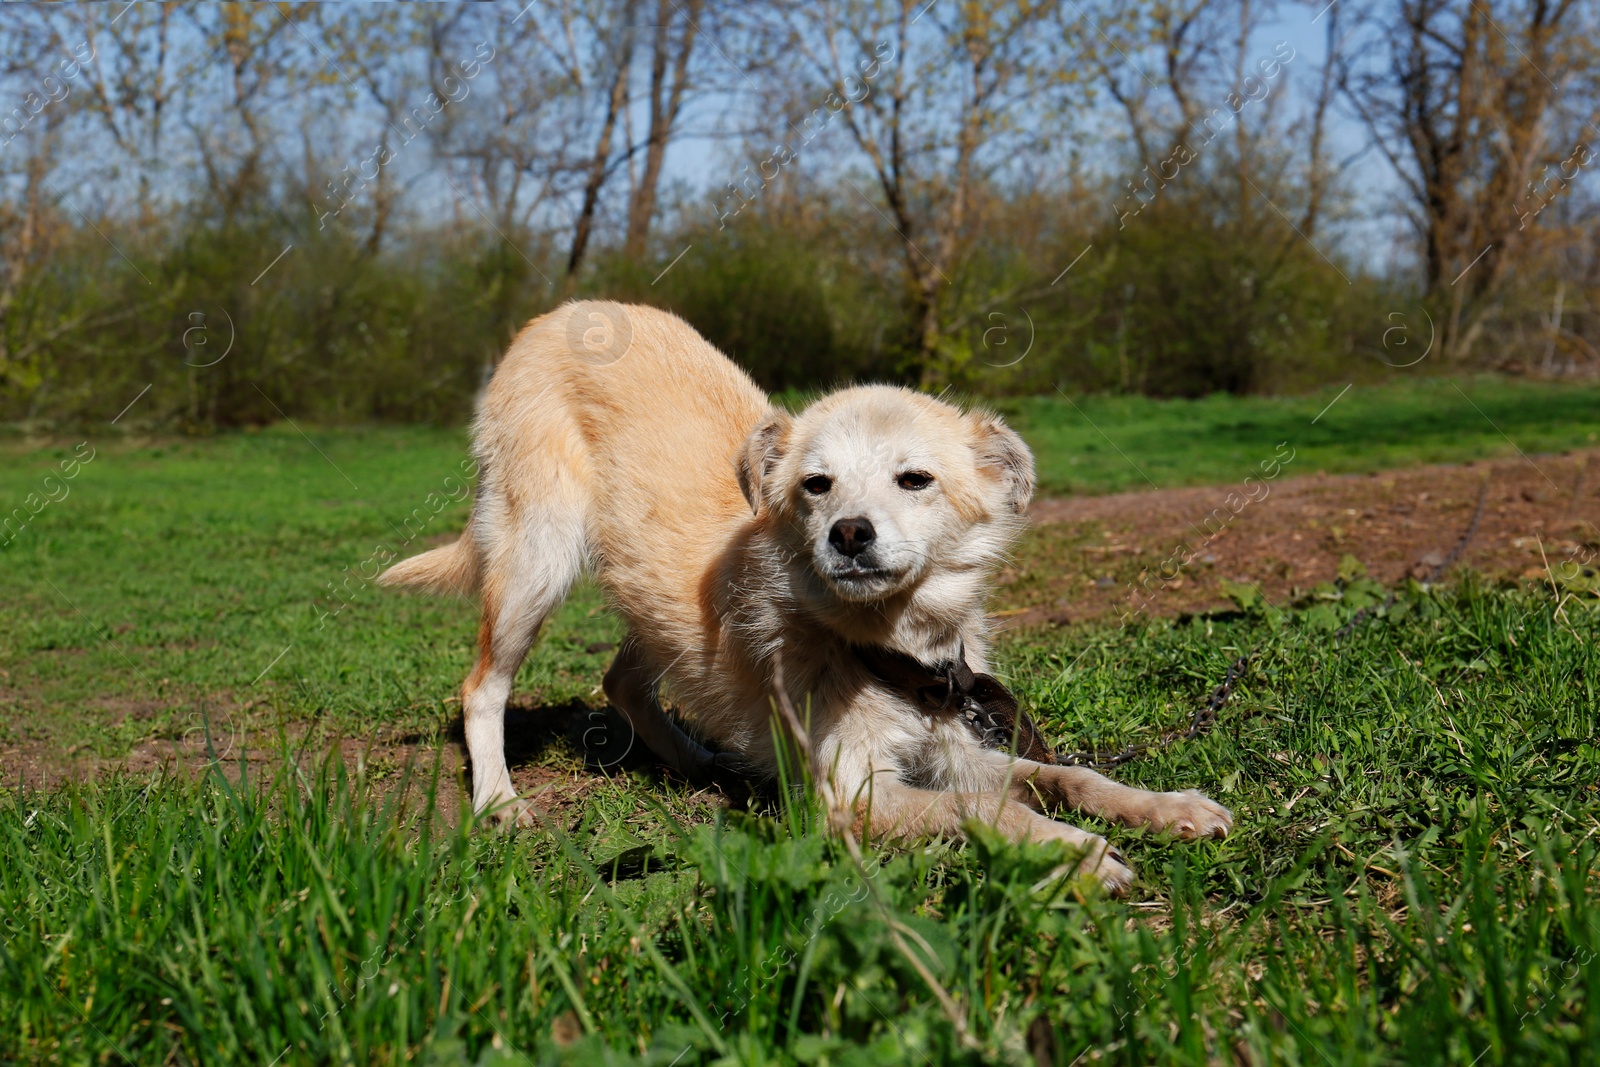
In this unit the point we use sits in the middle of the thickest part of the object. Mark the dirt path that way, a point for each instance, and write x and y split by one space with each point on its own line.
1092 557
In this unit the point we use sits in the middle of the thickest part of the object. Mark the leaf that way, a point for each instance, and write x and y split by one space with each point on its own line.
1322 618
1245 595
1351 568
1363 593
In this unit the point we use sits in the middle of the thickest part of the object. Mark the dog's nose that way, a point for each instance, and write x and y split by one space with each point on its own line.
852 536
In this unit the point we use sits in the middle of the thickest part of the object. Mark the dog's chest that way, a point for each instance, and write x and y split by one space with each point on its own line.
928 749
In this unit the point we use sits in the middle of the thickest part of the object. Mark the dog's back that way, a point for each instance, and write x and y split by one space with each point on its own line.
580 439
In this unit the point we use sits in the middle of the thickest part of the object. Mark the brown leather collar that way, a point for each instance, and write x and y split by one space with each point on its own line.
986 706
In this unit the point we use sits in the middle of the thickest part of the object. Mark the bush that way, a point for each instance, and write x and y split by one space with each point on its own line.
1185 304
782 307
1181 302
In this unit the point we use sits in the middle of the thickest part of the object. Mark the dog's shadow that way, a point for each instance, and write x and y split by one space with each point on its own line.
601 737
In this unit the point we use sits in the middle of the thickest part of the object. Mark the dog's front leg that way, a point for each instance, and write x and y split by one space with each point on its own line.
886 808
1187 814
630 685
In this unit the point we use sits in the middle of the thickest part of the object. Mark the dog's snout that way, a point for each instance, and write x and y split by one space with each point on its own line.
852 536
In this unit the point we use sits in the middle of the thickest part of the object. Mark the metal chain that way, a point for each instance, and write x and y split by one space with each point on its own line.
1202 720
1205 716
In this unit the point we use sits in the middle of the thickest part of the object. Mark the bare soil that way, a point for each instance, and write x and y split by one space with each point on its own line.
557 756
1097 557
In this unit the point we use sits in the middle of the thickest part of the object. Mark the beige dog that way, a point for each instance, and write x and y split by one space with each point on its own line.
614 439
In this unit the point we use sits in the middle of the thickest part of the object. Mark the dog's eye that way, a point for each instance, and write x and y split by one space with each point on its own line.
817 484
914 480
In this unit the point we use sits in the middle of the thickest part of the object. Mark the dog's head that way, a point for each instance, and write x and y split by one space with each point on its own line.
876 489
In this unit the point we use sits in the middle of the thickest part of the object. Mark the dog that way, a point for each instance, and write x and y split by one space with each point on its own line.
727 532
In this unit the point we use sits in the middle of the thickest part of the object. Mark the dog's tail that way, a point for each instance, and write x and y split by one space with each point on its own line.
451 568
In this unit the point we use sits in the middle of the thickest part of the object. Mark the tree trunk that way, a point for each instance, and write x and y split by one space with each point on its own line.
1316 168
666 100
616 102
928 336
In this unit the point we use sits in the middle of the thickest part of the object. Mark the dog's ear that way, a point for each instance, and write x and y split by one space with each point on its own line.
1003 454
760 455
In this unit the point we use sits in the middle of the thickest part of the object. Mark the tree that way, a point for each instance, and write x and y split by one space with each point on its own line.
931 96
1159 63
612 49
671 50
1472 104
515 135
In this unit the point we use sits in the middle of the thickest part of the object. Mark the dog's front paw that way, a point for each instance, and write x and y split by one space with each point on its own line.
1189 815
1111 867
1096 859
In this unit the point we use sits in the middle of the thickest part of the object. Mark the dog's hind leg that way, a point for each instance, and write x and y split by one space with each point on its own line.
530 554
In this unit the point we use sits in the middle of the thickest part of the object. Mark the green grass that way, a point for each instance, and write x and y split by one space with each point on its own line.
1113 443
1412 877
172 576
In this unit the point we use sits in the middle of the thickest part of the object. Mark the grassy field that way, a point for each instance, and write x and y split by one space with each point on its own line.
1108 444
1412 878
